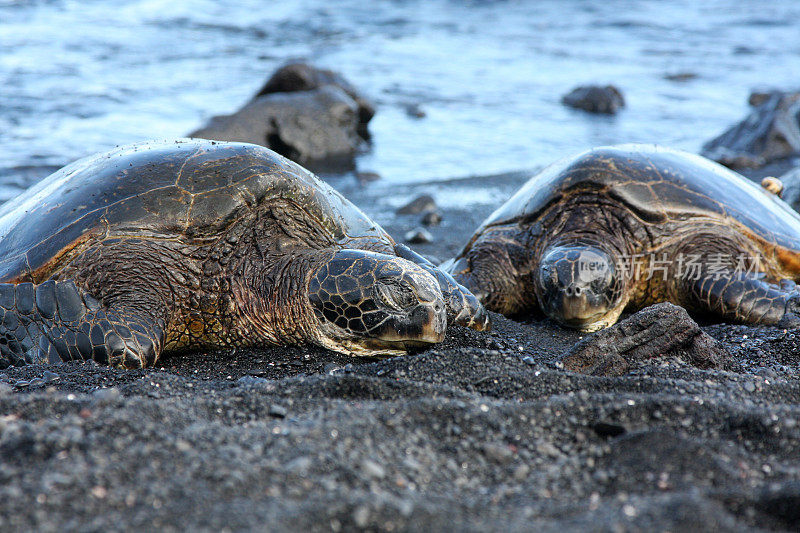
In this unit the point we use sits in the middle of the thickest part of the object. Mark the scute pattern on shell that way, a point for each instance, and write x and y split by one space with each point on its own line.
657 184
196 189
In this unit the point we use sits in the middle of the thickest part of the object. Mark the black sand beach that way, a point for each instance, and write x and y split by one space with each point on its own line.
484 432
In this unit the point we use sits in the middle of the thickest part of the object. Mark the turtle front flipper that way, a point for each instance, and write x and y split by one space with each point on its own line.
56 321
745 298
463 308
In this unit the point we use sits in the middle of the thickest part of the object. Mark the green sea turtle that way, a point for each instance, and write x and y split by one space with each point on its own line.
196 244
627 226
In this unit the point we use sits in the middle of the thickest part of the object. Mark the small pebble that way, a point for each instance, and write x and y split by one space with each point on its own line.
108 394
278 411
521 472
607 429
361 517
330 368
250 380
498 453
419 236
373 469
49 377
545 448
749 386
299 464
772 185
431 218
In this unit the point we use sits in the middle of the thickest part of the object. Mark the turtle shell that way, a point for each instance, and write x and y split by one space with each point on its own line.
188 190
659 185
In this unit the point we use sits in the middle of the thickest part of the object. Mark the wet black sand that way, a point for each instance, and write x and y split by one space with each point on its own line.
484 432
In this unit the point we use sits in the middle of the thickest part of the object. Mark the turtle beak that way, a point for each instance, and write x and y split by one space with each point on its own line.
436 326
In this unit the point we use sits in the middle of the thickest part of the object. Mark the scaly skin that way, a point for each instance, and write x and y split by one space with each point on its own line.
235 291
500 267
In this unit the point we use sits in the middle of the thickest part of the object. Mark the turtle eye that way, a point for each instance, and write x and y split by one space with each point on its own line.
395 294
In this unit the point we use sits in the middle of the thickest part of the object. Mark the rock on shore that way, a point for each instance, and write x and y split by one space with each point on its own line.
769 133
312 116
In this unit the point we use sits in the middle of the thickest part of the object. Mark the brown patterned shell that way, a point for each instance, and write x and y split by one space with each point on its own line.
658 185
187 190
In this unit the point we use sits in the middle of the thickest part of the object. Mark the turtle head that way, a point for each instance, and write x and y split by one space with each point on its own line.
579 286
375 305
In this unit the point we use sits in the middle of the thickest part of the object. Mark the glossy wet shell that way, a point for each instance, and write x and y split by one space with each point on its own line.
659 185
186 190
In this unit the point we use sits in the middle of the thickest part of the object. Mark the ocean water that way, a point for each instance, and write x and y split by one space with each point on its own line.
79 77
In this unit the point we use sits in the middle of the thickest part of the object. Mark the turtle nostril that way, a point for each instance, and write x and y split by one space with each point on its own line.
578 291
568 290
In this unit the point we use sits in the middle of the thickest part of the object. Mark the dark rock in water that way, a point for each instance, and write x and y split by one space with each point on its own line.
595 99
431 218
296 77
419 236
415 111
770 132
661 329
367 177
418 205
314 128
312 116
680 76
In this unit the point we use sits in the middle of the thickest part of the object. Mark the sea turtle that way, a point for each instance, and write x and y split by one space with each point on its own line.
623 227
194 244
